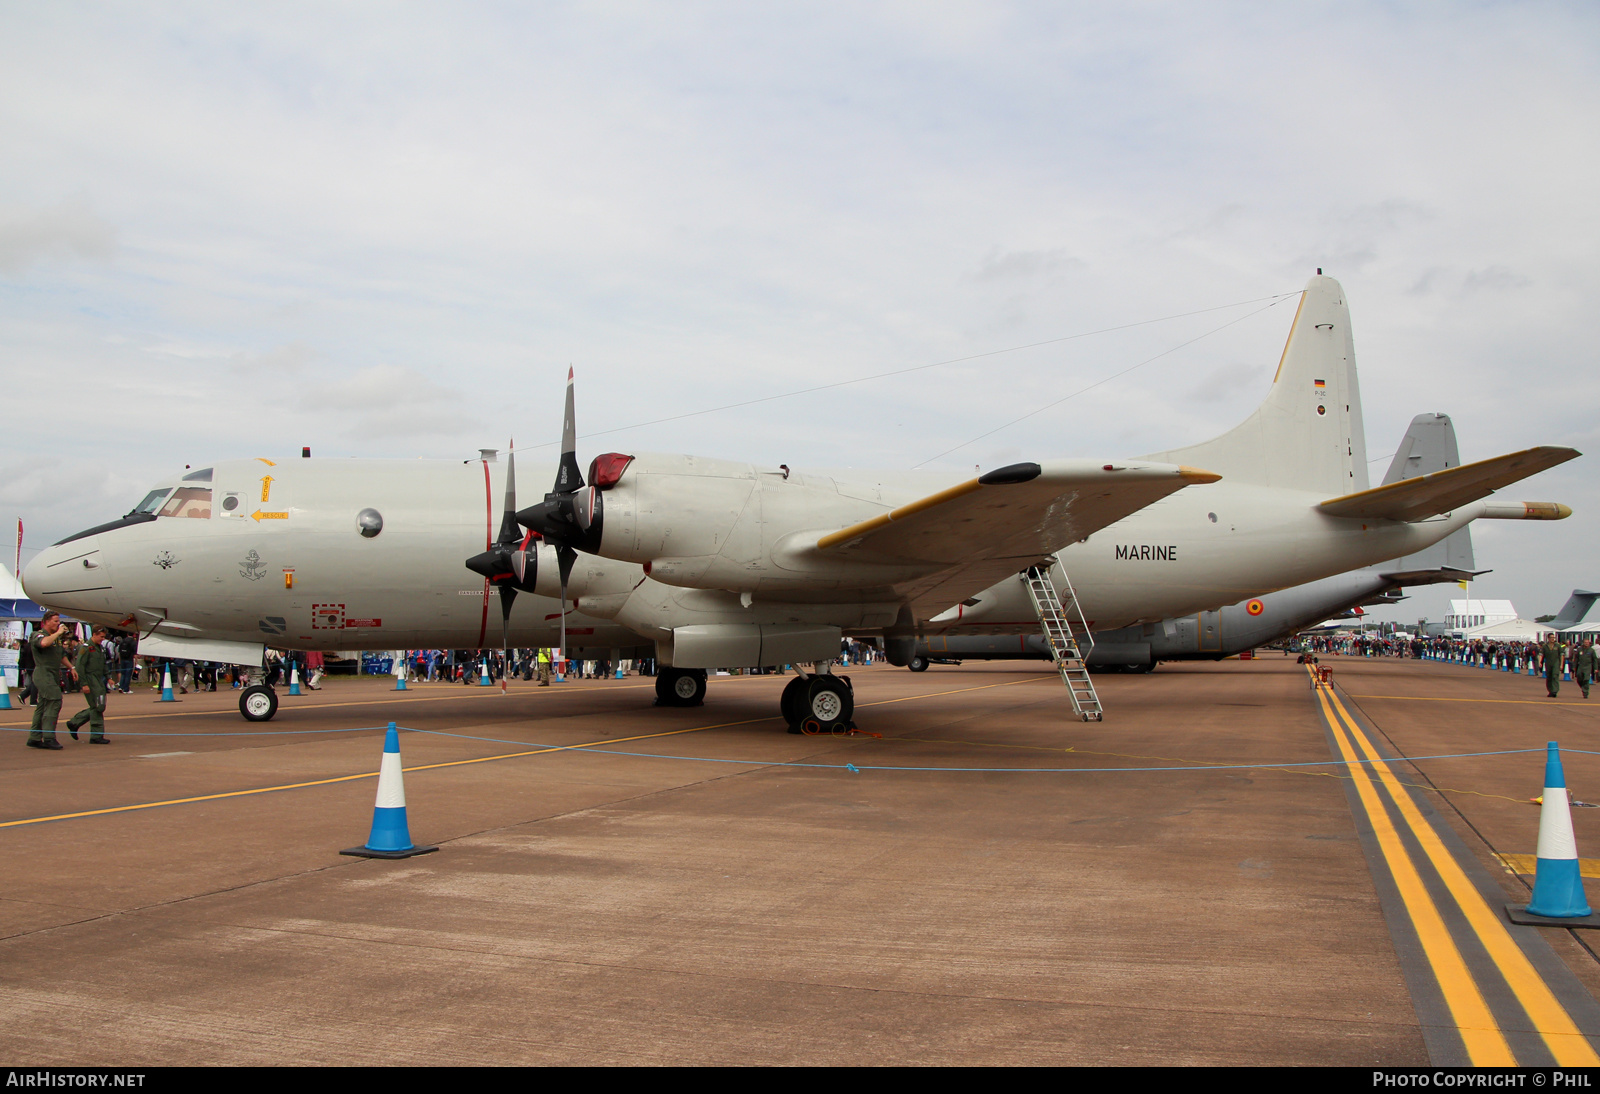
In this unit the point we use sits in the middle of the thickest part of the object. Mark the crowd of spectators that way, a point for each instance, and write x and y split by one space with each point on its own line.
1525 657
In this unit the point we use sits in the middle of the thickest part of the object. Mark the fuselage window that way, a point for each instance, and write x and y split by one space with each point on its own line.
188 501
151 501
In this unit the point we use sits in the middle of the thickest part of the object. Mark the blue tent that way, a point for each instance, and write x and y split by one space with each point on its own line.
20 608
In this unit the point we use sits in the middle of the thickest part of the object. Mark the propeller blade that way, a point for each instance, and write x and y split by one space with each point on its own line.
568 477
508 593
510 532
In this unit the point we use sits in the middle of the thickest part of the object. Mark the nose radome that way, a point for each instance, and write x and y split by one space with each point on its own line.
70 577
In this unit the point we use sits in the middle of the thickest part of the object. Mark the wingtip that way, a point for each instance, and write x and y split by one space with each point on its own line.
1196 475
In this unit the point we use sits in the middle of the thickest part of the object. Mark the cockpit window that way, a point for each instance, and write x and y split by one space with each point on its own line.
152 500
188 501
198 476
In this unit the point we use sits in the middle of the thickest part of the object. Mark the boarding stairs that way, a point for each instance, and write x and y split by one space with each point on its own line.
1057 616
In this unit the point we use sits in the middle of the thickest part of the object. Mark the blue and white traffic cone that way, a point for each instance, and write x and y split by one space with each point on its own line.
166 684
294 680
391 835
400 678
619 671
1557 881
483 678
559 677
5 692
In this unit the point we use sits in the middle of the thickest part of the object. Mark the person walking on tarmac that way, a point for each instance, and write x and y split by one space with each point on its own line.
1554 655
94 682
48 644
1584 663
544 667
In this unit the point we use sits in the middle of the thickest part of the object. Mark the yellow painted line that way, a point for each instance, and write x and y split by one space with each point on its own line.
352 778
1528 864
1480 1033
1456 699
1566 1043
464 763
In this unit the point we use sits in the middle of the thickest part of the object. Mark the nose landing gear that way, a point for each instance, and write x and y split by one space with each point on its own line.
258 703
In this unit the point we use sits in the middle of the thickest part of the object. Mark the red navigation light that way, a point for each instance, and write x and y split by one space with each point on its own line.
607 469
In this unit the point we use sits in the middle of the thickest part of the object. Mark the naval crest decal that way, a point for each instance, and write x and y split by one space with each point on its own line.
253 569
165 560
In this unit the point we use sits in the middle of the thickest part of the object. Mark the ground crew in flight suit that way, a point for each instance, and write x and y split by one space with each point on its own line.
92 681
544 667
1584 664
1555 658
47 644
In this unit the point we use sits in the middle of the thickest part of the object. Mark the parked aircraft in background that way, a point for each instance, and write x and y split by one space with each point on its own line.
712 563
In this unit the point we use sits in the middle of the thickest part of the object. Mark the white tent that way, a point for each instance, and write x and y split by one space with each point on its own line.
1512 630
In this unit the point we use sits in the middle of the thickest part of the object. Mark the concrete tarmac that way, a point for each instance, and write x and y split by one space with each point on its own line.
995 883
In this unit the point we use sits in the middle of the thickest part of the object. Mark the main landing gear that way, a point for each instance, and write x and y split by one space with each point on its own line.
820 703
680 687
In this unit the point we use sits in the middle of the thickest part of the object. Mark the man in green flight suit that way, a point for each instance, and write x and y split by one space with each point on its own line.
1554 655
92 680
47 644
1584 664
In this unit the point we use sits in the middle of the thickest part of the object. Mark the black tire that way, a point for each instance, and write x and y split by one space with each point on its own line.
681 687
827 705
918 664
789 702
258 703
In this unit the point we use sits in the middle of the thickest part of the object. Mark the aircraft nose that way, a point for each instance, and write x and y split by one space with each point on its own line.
71 577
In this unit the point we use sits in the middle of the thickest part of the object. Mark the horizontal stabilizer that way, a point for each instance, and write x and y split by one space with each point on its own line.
1443 491
1443 575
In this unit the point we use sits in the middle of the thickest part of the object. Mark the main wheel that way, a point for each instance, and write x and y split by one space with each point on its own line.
258 703
826 706
789 702
918 664
681 687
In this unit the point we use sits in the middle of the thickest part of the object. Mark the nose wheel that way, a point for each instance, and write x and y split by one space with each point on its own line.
258 703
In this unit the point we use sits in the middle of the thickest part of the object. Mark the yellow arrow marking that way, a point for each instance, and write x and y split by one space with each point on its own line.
260 516
266 486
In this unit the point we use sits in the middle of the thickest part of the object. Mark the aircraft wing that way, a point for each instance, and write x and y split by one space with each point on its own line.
1000 523
1429 495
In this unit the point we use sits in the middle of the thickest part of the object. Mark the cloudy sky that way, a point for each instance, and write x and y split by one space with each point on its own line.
387 230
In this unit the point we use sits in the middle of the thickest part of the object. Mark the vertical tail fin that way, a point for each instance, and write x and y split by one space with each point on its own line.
1428 446
1576 607
1308 434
